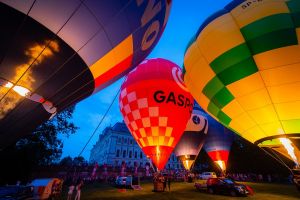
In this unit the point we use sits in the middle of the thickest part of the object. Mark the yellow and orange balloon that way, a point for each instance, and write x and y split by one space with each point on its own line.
243 68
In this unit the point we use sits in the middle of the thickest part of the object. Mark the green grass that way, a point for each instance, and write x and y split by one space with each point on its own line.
187 191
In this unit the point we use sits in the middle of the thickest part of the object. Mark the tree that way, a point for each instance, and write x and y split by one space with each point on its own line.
41 147
79 161
66 161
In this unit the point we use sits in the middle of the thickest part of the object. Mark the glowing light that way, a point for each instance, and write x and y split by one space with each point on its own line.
21 90
8 85
290 149
158 155
221 164
158 151
188 164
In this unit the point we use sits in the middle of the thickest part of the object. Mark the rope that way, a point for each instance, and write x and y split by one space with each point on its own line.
277 159
100 122
276 154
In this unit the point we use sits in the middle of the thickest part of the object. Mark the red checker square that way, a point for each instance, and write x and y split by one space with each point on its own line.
139 123
162 131
130 128
154 121
133 105
130 117
123 112
166 141
144 112
124 101
148 131
145 141
138 134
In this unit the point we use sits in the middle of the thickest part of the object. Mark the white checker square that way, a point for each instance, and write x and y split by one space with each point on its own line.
134 126
126 120
121 105
170 143
168 131
142 132
134 135
142 103
153 111
136 114
146 122
127 109
163 121
123 93
131 97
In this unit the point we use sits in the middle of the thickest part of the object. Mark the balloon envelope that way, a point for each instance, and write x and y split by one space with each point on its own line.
56 53
218 143
156 106
193 138
243 68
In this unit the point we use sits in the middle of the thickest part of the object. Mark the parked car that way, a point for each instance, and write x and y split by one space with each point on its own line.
47 188
201 184
15 192
226 186
121 181
207 175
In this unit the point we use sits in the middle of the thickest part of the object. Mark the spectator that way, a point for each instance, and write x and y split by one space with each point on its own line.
78 188
269 178
169 182
70 192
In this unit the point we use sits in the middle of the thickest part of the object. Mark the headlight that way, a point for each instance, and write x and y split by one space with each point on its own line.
239 188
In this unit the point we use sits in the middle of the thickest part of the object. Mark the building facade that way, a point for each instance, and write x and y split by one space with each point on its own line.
116 145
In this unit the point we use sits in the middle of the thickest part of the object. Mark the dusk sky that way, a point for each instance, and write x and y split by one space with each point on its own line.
184 20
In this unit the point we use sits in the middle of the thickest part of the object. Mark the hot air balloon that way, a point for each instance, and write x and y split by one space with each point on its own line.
156 106
218 143
243 68
56 53
193 138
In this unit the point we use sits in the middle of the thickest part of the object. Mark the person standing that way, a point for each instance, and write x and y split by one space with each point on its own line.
78 188
164 180
70 192
169 183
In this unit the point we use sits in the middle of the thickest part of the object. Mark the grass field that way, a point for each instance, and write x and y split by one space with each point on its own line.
180 191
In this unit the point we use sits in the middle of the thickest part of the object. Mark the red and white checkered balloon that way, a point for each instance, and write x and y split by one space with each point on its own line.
156 106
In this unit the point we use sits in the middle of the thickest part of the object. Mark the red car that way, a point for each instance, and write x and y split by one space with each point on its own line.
226 186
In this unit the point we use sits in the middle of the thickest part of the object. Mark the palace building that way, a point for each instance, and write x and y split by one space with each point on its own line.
116 145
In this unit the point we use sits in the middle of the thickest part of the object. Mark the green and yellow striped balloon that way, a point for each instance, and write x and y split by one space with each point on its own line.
243 67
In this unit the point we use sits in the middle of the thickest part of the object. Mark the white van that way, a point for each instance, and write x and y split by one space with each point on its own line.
207 175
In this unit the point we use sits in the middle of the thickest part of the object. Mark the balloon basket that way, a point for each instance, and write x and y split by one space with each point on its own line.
158 186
